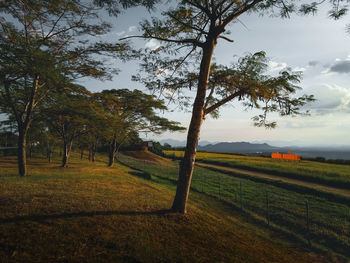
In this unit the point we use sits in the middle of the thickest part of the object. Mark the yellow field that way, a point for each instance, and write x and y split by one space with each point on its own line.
325 173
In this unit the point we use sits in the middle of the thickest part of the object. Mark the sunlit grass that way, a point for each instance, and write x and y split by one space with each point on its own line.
325 173
91 213
329 220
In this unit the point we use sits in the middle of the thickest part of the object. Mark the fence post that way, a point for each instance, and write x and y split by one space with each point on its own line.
267 208
307 222
202 183
219 186
240 194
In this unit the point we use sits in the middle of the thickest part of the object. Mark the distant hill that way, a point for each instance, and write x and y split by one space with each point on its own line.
266 149
258 148
239 147
177 143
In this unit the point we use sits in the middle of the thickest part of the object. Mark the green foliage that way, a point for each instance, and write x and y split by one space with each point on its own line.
68 114
245 81
129 111
185 32
115 7
45 46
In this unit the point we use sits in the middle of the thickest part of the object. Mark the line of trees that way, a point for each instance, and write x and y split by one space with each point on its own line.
91 121
45 47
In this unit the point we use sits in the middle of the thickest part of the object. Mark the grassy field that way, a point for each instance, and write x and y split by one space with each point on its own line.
330 174
91 213
329 221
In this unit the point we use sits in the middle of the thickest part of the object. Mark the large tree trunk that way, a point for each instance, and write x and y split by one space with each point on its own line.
21 154
112 151
90 154
67 146
187 164
49 155
31 151
23 121
93 152
93 156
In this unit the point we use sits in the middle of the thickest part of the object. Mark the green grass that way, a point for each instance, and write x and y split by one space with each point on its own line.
324 173
91 213
329 220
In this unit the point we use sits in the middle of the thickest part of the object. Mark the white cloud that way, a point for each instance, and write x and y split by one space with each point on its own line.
152 44
120 33
299 69
330 99
132 28
276 66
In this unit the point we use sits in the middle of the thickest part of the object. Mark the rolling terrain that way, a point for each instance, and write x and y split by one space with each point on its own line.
91 213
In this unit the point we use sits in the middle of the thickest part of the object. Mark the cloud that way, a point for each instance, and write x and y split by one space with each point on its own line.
301 123
313 63
276 66
330 99
132 28
120 33
341 67
299 69
152 44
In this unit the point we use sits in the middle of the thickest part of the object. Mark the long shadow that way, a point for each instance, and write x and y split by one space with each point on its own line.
83 214
143 175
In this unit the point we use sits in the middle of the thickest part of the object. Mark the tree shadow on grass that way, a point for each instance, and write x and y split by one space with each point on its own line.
141 174
38 218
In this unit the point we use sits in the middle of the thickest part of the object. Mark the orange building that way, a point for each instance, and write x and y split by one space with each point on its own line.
285 156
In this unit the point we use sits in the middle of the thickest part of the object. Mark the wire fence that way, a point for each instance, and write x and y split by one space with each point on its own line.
312 219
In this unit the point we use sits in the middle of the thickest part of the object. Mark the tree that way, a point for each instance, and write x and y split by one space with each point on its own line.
37 52
67 115
191 30
127 112
43 43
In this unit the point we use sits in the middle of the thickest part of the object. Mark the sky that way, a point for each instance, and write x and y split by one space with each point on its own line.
316 45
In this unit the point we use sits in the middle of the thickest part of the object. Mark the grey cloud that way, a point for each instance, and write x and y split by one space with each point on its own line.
304 124
341 67
329 99
313 63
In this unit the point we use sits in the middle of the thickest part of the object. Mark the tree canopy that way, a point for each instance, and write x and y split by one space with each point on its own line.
45 46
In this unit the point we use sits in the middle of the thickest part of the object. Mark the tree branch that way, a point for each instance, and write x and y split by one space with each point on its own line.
222 102
182 41
234 15
227 39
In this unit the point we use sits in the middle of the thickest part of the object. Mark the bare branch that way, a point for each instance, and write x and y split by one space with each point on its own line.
227 39
182 41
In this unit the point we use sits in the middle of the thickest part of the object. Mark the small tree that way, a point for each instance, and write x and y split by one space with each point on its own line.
127 112
67 115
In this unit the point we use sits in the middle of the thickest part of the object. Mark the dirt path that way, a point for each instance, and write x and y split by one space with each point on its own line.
324 188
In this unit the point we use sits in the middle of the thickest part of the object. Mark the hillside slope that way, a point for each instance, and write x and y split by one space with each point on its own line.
91 213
